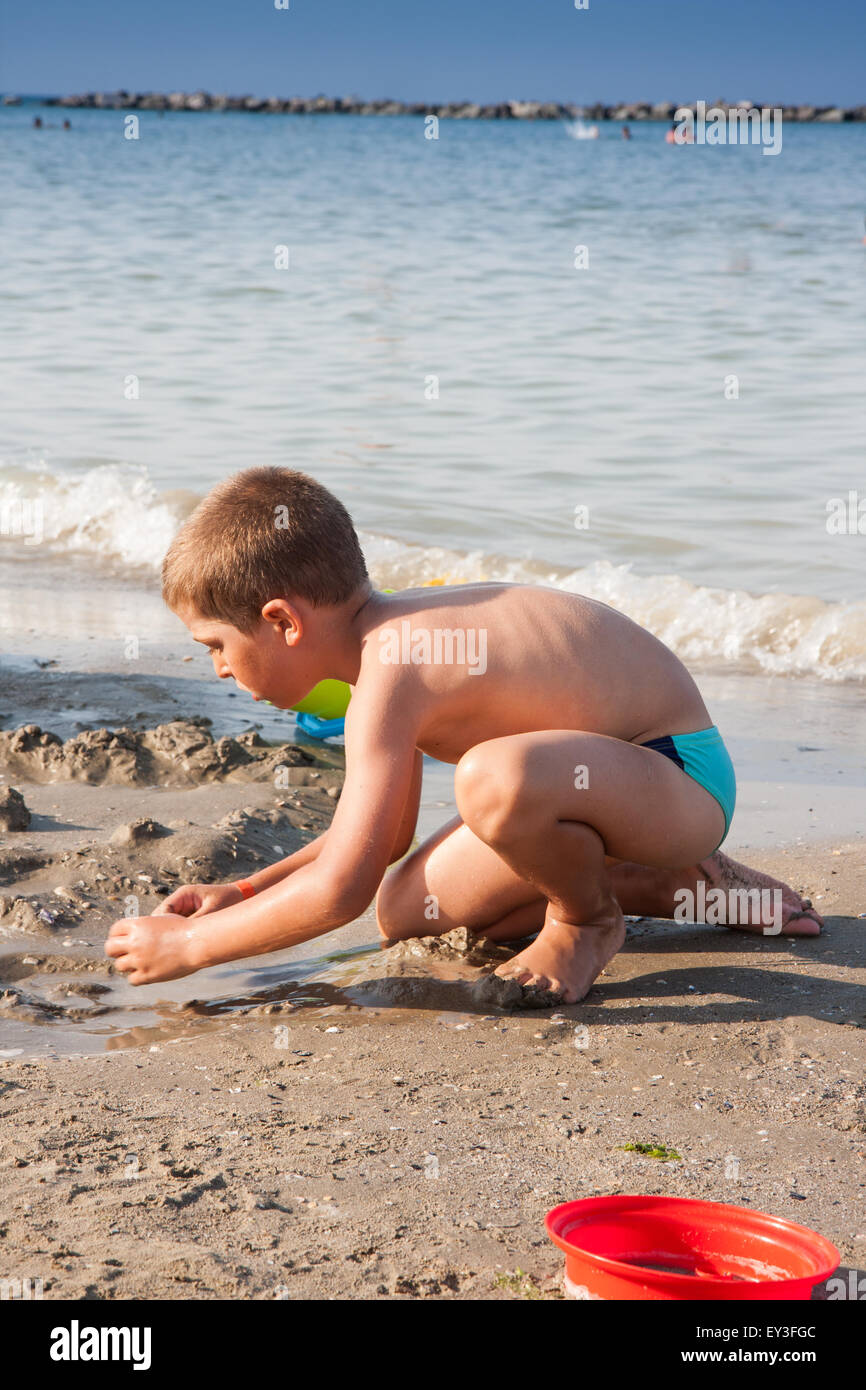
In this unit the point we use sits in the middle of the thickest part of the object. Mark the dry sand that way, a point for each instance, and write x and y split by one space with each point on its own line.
310 1126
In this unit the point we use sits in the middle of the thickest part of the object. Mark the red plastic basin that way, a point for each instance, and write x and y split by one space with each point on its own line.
673 1247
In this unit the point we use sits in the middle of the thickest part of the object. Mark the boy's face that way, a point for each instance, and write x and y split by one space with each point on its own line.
259 662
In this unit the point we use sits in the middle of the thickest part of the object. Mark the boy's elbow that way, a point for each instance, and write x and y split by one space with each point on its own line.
345 902
345 886
401 848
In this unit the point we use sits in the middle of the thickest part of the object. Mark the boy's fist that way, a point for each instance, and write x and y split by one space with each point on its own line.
197 899
147 949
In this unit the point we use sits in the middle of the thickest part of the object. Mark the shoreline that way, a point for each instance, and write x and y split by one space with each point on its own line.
457 110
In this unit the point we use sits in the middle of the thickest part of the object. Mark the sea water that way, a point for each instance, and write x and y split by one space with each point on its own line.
627 368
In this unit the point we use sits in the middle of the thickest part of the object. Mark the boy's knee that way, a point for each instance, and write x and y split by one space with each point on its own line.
392 916
490 787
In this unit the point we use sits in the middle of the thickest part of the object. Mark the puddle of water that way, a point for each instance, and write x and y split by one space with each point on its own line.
65 1009
46 974
67 1004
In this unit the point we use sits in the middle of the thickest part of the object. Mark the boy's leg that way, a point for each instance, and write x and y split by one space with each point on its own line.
552 806
646 892
555 805
525 851
453 879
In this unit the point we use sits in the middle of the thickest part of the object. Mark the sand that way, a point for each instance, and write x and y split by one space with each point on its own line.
323 1122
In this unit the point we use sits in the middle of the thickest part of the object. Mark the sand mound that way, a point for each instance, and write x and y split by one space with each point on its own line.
14 815
445 972
180 753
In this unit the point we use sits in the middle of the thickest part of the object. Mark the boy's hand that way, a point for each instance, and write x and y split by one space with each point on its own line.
148 949
197 899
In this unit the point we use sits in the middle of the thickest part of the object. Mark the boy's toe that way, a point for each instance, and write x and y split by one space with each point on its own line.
804 924
511 970
541 995
511 991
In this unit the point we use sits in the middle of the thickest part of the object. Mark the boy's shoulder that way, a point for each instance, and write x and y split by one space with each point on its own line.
420 628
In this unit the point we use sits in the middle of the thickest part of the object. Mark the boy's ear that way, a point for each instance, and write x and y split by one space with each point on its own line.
284 616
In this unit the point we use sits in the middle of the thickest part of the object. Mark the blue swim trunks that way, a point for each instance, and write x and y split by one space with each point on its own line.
704 757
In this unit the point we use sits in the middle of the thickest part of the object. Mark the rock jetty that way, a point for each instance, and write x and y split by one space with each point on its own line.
453 110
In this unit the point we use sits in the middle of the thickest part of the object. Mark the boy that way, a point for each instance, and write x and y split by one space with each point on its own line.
587 769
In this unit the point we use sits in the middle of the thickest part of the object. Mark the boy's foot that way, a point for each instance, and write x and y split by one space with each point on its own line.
651 892
560 965
798 917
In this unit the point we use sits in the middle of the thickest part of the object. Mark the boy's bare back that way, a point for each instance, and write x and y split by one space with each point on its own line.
483 661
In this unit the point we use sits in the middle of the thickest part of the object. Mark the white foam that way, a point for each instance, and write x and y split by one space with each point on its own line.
113 512
780 634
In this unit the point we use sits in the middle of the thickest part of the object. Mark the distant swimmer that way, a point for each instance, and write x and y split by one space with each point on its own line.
37 122
578 130
67 125
626 133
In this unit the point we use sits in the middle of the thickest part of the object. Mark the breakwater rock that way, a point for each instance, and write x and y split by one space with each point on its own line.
453 110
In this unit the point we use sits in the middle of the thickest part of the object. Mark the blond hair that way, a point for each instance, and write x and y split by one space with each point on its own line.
262 534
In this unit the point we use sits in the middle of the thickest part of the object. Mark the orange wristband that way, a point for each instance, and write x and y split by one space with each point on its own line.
247 889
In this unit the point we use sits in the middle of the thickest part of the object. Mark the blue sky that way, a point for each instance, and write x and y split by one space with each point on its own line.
424 50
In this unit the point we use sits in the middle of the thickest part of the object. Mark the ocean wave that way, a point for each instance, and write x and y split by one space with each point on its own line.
110 511
113 513
779 634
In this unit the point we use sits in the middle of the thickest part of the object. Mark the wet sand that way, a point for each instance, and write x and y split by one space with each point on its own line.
357 1147
323 1122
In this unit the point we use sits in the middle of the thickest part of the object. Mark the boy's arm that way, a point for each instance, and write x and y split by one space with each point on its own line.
382 778
188 897
409 820
275 873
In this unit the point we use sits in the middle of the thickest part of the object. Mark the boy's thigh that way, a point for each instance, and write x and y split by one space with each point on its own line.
644 807
452 879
